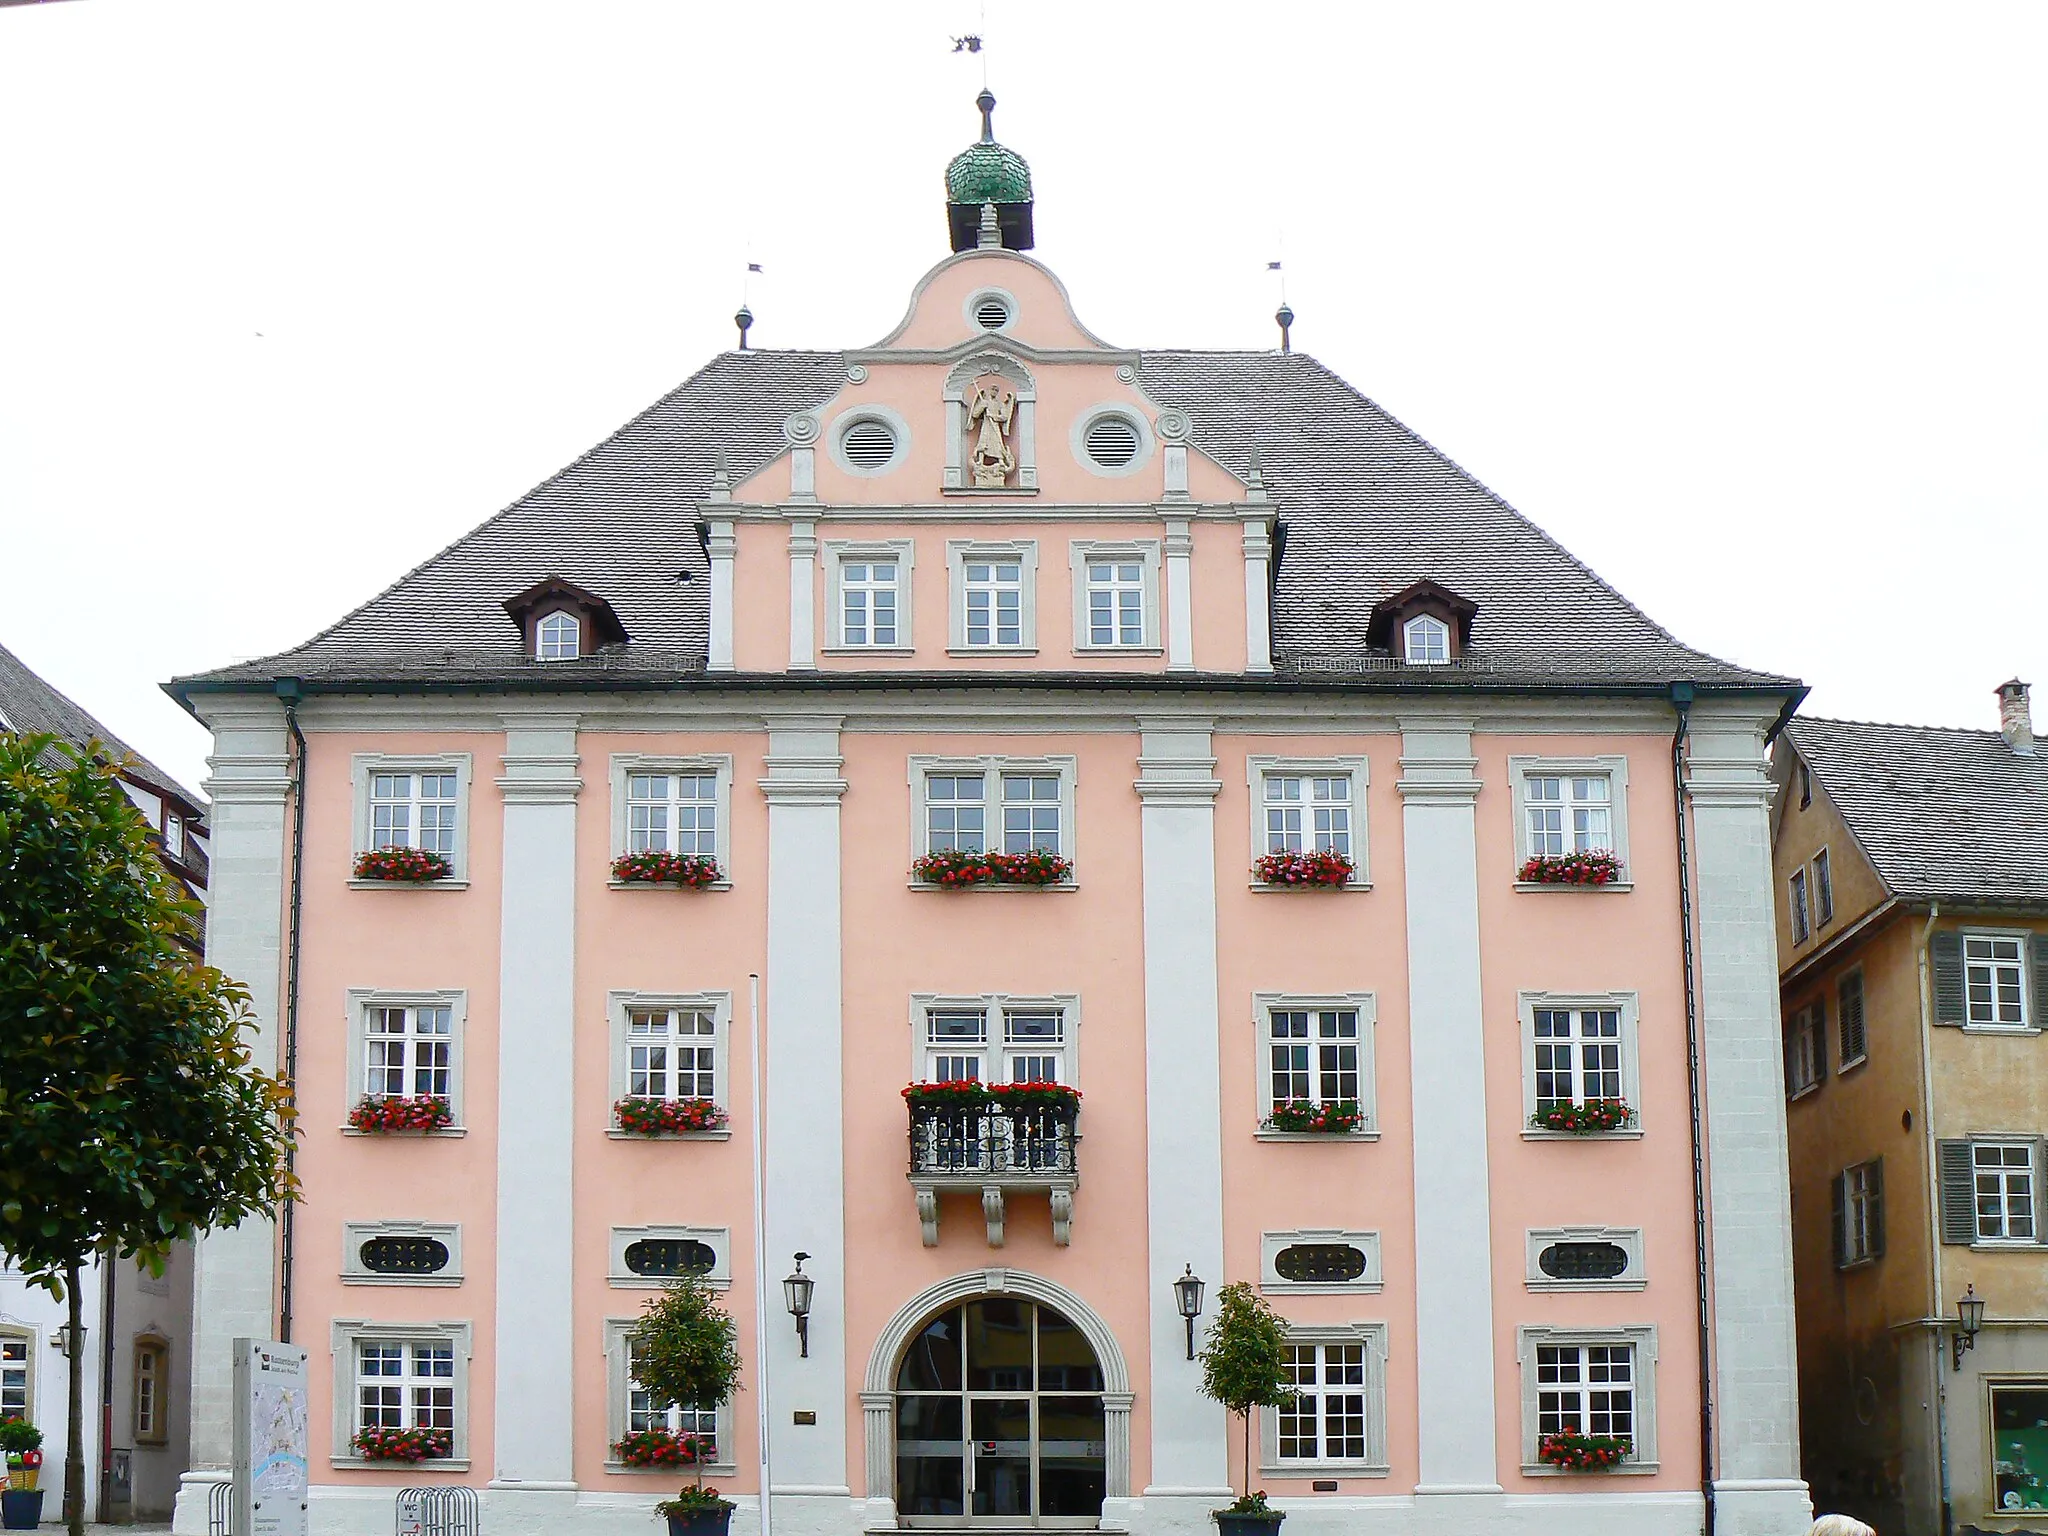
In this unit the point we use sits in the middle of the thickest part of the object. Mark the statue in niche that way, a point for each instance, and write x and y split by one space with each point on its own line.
991 410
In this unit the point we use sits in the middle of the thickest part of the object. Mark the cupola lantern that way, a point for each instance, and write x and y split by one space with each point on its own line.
988 173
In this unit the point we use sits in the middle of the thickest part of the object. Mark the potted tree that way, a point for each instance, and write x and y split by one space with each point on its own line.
1244 1366
686 1349
21 1506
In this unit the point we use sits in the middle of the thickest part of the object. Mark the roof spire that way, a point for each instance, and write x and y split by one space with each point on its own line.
1285 316
987 102
743 320
986 172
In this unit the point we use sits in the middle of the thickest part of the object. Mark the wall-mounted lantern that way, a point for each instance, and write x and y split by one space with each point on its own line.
1187 1295
796 1295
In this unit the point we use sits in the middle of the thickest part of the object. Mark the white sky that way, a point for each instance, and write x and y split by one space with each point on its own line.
1747 304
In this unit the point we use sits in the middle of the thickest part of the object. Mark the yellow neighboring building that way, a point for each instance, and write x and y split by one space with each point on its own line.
1912 879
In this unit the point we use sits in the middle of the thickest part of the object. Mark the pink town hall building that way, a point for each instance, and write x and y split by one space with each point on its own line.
1289 846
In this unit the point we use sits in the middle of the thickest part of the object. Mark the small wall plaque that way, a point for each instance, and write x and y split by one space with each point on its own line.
1323 1485
806 1416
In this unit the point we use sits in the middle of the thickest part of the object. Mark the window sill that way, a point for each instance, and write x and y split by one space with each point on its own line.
401 1279
1871 1258
615 1134
1626 1469
431 1464
1851 1065
666 885
1547 1286
991 650
1803 1093
1119 650
452 883
1310 1469
1328 1288
655 1283
1537 1133
1331 1136
990 887
446 1132
862 650
1005 492
710 1469
1282 888
1611 888
1998 1245
2000 1029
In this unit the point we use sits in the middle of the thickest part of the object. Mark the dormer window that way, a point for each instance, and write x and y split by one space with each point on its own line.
560 621
558 637
1426 641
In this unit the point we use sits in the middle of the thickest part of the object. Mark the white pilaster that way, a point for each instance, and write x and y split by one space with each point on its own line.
1177 786
720 547
1258 592
535 1409
1454 1332
803 596
1757 1488
804 1198
235 1271
1180 596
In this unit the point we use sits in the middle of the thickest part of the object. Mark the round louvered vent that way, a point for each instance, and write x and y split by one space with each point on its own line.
869 444
1112 441
670 1256
992 314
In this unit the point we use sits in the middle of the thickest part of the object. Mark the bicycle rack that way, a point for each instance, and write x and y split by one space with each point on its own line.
439 1511
220 1499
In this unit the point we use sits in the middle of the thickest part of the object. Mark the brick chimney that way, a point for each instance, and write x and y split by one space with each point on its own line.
2016 718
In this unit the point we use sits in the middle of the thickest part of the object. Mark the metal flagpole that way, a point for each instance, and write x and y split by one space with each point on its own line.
760 1245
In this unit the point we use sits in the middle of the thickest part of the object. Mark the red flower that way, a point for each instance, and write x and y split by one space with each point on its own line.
1594 867
1322 866
402 864
951 868
427 1112
667 1117
691 871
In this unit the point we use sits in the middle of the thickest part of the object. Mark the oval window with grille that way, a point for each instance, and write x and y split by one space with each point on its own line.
869 444
667 1257
1319 1263
1583 1261
991 314
1112 441
404 1255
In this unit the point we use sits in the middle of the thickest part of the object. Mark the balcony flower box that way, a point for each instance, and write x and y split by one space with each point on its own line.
668 1117
1594 867
1323 867
1021 1097
1586 1119
1573 1452
403 866
1337 1118
663 1448
964 1093
688 871
427 1112
413 1444
956 869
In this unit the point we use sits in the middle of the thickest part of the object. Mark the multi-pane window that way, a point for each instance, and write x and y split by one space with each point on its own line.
1586 1389
993 601
2004 1176
1569 813
1426 641
413 810
867 602
1313 1055
174 834
1805 1050
672 813
1995 977
1823 888
150 1361
15 1381
1026 1044
1862 1213
1028 806
405 1386
1116 602
956 812
1325 1422
671 1053
1031 812
407 1052
1308 813
1578 1055
558 637
646 1411
1802 922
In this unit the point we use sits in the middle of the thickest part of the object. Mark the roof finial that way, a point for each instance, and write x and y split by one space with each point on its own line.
991 228
1285 316
987 102
1255 475
743 320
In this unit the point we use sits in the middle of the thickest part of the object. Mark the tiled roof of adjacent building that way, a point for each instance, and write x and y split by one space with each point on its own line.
32 707
1943 814
1367 507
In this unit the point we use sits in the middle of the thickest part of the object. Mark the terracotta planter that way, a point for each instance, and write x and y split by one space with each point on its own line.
701 1522
21 1509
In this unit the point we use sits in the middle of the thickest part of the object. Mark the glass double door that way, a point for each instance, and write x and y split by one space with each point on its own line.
999 1420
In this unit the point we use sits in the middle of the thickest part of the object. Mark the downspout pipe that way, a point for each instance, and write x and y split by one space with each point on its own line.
1681 700
289 691
1937 1302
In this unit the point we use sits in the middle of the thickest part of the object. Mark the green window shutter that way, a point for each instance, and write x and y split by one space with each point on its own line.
1838 1202
1820 1040
1958 1191
1849 1016
1789 1028
1877 1209
1945 955
2037 964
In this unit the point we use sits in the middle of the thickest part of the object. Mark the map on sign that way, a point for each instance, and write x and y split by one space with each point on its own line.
270 1438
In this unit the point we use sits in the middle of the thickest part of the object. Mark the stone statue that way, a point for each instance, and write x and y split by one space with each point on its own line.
991 408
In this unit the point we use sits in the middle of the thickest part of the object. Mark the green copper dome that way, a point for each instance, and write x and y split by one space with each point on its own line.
988 173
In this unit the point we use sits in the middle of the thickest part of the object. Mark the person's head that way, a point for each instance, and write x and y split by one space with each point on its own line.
1840 1525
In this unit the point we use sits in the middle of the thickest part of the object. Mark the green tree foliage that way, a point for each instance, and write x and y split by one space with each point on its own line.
1244 1362
686 1349
130 1116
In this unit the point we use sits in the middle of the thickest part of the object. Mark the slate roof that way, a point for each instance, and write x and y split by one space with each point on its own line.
32 707
1942 814
1368 507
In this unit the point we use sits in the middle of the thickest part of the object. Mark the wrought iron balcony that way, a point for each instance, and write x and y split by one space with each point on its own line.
994 1149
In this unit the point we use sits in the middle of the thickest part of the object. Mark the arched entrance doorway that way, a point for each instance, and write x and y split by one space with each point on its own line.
1000 1419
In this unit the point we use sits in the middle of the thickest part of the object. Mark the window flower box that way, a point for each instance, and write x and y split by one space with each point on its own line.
1584 1119
1321 867
640 1116
403 866
956 868
427 1112
1574 1452
1595 867
663 1448
688 871
410 1444
1337 1118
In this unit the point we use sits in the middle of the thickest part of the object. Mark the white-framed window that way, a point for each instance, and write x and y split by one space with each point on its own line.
1823 888
1796 901
671 1045
630 1408
152 1380
1589 1381
1310 805
1316 1050
1857 1199
174 834
1584 1259
992 805
1337 1423
2002 1173
1806 1051
868 590
17 1374
1995 981
1116 595
995 1038
994 599
405 1045
1425 641
666 804
414 802
558 636
1576 1049
1571 805
401 1376
401 1253
647 1258
1320 1261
